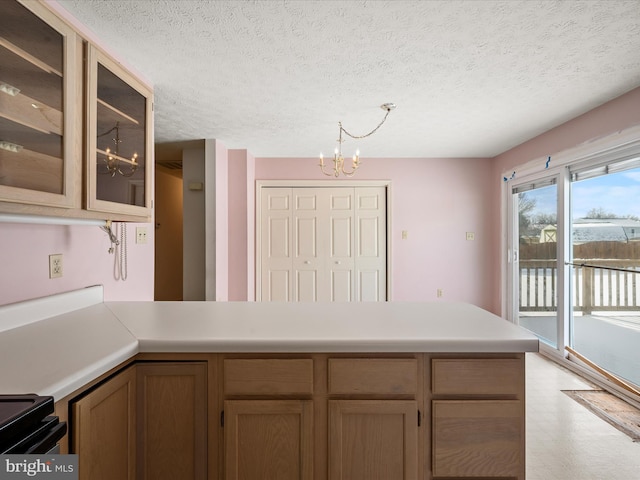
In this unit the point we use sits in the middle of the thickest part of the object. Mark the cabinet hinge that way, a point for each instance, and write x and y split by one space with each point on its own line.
222 418
419 418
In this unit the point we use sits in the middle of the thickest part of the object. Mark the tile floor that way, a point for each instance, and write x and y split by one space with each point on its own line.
565 441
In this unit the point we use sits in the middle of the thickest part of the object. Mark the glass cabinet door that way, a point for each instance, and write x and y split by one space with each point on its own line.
119 143
39 105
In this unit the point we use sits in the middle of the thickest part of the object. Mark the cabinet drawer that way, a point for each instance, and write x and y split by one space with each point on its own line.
487 376
383 376
478 438
268 376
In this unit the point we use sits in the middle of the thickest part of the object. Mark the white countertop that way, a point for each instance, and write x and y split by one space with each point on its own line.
318 327
58 354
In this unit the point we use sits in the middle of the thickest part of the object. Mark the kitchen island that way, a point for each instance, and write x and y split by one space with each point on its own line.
259 390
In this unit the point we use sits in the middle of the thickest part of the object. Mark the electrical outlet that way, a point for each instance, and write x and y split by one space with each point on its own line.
439 293
141 234
55 265
471 236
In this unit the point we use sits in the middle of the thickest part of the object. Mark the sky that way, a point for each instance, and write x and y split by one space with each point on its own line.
618 193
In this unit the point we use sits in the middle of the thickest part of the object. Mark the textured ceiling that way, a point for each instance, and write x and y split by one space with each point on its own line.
470 78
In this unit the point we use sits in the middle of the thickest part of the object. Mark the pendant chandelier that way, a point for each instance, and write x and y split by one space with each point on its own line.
338 159
113 161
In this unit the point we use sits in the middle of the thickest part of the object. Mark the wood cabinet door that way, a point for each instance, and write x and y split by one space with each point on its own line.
172 421
268 439
373 440
104 430
478 438
120 138
40 98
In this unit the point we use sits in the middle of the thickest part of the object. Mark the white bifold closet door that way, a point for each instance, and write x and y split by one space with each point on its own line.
323 244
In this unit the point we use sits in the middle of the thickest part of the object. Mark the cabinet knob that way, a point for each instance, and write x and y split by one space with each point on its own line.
337 262
307 262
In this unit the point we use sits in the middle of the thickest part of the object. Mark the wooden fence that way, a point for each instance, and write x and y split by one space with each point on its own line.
595 287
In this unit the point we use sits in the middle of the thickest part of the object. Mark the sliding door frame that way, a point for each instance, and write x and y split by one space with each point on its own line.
560 178
608 149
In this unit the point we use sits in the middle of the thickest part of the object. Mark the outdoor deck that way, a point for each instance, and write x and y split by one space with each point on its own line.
609 339
605 302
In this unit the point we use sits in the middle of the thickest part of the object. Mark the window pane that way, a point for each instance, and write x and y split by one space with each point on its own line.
605 321
31 104
537 274
121 141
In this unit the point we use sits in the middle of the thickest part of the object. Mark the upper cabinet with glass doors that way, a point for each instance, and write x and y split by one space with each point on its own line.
40 107
119 138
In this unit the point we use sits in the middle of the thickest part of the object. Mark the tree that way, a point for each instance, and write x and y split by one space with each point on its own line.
526 205
545 219
600 212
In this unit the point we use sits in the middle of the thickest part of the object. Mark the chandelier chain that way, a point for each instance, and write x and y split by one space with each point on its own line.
367 134
109 131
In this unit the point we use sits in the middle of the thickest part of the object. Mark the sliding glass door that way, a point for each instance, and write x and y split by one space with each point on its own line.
605 244
574 259
535 260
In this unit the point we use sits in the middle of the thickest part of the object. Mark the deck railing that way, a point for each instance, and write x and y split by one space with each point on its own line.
594 289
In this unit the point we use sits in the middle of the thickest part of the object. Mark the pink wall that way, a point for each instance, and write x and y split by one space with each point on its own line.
436 201
618 114
251 227
24 260
241 231
221 206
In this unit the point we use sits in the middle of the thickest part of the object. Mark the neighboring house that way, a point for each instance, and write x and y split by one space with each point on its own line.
605 230
597 230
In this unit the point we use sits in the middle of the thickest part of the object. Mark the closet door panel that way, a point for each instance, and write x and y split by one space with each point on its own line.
307 242
339 257
276 250
370 244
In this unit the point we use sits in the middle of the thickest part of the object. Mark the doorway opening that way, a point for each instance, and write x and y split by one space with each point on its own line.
168 213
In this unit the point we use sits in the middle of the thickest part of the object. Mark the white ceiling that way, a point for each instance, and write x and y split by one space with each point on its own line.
470 78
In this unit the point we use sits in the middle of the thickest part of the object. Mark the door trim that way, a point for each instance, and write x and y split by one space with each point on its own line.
262 184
